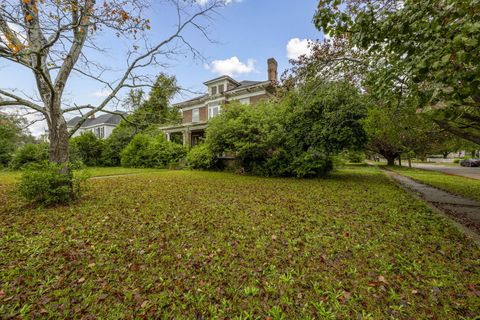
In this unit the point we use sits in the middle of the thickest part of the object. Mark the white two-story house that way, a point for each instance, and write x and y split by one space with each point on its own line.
102 125
220 91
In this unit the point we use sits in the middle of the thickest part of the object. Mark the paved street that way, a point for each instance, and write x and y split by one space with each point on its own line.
473 173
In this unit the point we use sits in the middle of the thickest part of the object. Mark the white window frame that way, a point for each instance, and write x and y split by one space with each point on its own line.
211 108
196 115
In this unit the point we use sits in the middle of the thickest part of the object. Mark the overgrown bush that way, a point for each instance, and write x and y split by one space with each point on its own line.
296 135
354 156
165 153
28 154
136 153
145 151
201 157
87 148
48 183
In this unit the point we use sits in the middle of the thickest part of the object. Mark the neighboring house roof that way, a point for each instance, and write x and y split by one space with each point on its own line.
112 119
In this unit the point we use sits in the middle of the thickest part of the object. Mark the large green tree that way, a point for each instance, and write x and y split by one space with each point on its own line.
427 48
12 135
146 115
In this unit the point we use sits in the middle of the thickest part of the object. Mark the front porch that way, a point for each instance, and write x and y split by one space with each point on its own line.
189 135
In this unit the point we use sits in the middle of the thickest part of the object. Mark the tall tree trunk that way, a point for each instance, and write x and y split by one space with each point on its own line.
390 160
58 131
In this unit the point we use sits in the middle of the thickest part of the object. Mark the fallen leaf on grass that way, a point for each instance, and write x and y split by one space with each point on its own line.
81 280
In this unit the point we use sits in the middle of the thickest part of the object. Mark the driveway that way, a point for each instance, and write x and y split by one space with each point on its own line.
473 173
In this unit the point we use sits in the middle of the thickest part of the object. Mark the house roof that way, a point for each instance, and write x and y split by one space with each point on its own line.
240 86
106 118
220 79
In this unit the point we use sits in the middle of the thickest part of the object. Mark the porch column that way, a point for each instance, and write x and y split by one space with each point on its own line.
186 138
168 136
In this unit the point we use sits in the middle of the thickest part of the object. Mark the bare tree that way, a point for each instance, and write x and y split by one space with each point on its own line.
55 40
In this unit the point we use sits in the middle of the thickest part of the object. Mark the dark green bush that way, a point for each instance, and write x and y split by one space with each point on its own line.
48 183
145 151
201 157
313 163
355 156
87 148
165 153
28 154
296 135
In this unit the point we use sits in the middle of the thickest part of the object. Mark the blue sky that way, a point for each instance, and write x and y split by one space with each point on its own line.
246 34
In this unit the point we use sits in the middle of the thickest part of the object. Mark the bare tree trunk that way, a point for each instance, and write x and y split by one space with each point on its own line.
58 131
400 161
409 162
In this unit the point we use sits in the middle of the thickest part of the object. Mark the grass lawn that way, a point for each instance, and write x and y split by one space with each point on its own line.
185 244
7 177
466 187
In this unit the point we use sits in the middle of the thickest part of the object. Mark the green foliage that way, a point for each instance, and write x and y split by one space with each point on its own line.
281 248
354 156
427 49
201 157
146 117
145 151
29 153
48 183
87 148
11 136
293 136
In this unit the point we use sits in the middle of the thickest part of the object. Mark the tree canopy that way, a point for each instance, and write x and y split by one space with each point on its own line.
428 49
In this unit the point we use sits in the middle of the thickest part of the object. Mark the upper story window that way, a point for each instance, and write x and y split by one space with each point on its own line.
195 115
99 132
213 110
214 90
221 88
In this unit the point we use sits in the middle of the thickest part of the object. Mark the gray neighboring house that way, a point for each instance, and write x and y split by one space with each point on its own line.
102 126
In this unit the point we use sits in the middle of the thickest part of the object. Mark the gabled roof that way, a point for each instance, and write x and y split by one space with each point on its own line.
107 118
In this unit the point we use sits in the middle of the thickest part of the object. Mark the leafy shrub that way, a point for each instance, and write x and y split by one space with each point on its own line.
48 183
355 156
87 148
145 151
456 160
201 157
115 143
312 163
297 135
136 153
28 154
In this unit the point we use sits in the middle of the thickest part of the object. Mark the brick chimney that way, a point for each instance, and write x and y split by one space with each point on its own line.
272 70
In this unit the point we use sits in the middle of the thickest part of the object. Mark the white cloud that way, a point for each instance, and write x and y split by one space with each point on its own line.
101 93
297 47
232 66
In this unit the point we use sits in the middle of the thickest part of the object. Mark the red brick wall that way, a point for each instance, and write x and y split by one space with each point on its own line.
259 98
203 113
187 116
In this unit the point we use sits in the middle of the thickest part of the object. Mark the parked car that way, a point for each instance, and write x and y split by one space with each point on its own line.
470 163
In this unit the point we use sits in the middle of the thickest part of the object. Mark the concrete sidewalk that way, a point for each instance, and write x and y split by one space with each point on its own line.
465 212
